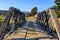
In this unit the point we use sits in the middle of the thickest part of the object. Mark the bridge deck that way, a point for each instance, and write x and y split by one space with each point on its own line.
34 32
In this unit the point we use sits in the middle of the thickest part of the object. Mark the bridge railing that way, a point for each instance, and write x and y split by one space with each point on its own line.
4 25
16 18
54 21
49 20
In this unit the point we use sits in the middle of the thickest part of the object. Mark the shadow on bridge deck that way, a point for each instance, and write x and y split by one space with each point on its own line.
34 31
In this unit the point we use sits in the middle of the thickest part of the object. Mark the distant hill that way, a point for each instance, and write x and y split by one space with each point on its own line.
3 12
27 12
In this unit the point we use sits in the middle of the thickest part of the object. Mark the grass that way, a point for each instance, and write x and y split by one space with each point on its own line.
53 26
11 20
2 19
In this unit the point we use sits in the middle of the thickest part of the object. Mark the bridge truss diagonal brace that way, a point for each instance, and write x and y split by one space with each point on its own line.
4 25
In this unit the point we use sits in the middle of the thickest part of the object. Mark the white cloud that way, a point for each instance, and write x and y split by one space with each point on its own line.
28 10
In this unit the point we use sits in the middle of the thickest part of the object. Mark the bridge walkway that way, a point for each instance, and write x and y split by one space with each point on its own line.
30 31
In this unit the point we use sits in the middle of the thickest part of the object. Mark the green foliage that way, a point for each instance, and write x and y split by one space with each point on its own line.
57 8
57 2
57 13
34 11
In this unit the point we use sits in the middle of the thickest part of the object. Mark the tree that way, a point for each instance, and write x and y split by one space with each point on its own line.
57 2
34 11
57 7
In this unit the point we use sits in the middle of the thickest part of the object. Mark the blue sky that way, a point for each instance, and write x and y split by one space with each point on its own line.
26 5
